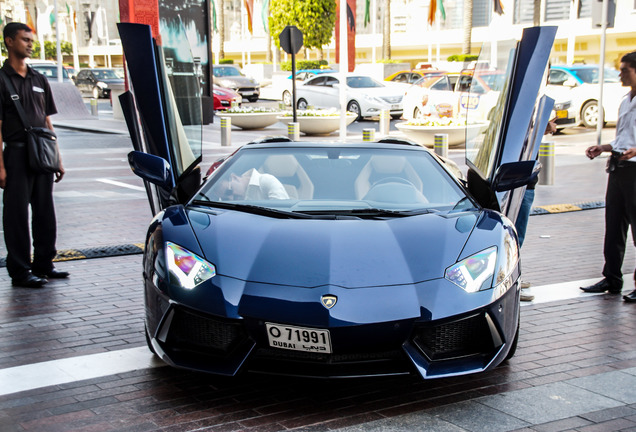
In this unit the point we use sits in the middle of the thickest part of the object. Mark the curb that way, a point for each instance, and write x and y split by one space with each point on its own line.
564 208
138 248
95 252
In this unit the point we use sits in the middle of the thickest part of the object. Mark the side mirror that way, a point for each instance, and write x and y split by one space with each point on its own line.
515 174
151 168
570 82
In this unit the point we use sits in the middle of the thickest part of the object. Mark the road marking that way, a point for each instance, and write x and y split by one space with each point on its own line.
63 371
125 185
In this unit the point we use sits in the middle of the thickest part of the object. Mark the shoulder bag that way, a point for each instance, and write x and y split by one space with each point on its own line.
44 156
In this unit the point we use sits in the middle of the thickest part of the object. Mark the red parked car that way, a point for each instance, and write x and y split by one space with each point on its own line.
223 97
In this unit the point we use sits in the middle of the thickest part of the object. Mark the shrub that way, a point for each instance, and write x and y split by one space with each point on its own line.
304 64
226 61
462 57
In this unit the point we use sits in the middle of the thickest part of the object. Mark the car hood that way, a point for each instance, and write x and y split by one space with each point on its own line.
348 253
238 81
388 91
112 81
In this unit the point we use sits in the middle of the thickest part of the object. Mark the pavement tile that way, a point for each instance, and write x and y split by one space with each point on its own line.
562 425
616 385
548 402
474 416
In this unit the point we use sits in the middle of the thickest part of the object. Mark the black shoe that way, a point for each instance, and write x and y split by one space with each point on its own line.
29 281
53 274
631 297
601 287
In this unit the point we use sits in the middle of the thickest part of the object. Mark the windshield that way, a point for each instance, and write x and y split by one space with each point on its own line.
590 75
334 180
362 82
226 71
102 74
49 71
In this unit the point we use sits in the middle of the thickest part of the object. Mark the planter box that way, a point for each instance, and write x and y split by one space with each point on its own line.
317 125
425 135
252 120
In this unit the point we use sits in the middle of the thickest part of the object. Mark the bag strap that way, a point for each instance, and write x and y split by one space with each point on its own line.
16 99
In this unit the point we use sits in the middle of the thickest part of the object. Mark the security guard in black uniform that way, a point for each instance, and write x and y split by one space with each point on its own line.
21 186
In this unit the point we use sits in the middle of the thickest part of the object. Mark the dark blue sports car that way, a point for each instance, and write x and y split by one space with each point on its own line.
332 259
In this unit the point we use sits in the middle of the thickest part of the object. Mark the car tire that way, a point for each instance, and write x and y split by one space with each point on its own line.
96 92
302 104
287 98
513 348
589 114
354 107
252 98
396 116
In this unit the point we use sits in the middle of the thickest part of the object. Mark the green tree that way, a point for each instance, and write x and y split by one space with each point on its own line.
50 49
315 18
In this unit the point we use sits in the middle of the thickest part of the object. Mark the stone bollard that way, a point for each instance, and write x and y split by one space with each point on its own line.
368 135
94 107
226 131
385 122
293 131
441 145
546 157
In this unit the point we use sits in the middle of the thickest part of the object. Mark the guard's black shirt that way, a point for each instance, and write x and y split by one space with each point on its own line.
35 96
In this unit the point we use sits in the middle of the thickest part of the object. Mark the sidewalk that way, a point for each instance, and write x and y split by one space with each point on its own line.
575 367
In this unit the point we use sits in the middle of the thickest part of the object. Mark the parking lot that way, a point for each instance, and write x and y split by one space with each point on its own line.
73 355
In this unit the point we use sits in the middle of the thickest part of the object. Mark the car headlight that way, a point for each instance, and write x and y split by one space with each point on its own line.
475 272
101 84
189 269
562 106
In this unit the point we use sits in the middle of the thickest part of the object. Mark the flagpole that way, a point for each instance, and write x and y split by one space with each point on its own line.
373 31
76 63
58 47
344 67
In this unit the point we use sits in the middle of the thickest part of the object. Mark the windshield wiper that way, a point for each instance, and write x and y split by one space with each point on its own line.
371 212
248 208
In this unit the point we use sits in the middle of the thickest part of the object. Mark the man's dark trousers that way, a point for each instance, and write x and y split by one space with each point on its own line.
23 187
620 213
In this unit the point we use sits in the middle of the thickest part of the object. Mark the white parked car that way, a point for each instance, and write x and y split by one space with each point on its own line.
365 96
579 83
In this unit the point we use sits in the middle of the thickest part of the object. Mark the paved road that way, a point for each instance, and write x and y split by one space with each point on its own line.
73 356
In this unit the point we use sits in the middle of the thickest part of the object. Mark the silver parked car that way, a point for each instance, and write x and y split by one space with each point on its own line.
231 77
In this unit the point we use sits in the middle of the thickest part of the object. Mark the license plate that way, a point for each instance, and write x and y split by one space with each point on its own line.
298 338
395 106
562 114
247 93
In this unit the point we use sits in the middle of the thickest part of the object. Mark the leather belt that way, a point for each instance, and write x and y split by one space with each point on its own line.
15 144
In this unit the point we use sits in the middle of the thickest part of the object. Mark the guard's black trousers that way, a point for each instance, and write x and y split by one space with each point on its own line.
22 188
620 213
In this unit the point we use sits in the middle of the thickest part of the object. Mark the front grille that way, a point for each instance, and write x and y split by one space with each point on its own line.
392 99
465 337
281 354
196 332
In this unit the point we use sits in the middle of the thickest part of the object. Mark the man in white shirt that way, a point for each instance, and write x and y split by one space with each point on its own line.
253 185
620 198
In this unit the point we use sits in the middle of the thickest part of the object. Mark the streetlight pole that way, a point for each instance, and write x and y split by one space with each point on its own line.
601 74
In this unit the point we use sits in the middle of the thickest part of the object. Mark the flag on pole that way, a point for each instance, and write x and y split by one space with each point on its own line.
432 10
265 15
52 18
214 28
249 6
29 20
367 12
498 7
